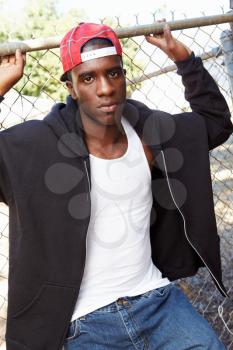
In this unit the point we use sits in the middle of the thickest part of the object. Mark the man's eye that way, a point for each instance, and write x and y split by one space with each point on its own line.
115 74
88 79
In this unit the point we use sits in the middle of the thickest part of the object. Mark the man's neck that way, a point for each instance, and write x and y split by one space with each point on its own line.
102 135
105 141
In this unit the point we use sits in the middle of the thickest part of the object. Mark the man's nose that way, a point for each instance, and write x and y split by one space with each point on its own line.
104 87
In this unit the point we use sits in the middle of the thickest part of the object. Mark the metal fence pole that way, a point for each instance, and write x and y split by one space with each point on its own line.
227 45
231 7
9 48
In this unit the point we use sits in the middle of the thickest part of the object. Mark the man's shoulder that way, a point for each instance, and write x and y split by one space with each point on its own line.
137 105
142 110
153 123
32 127
25 134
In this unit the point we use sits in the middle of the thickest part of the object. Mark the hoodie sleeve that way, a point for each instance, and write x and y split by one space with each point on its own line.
2 172
2 181
205 98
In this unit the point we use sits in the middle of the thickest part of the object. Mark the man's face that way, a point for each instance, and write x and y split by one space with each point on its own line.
99 87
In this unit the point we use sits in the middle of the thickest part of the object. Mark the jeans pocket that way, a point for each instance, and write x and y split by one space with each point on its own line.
73 330
162 291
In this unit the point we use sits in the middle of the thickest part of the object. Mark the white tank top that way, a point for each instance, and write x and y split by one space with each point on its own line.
118 260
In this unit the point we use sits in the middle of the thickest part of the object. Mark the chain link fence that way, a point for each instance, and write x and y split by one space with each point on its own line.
152 79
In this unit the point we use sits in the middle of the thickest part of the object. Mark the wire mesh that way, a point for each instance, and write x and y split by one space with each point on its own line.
152 79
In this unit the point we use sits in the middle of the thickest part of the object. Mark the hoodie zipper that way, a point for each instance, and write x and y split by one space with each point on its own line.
88 193
88 179
88 198
186 235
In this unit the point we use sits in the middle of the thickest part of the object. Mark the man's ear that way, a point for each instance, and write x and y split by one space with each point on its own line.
70 88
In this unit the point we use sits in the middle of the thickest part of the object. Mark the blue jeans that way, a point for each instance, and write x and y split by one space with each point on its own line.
161 319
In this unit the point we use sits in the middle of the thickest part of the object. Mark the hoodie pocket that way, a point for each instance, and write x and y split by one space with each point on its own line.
43 322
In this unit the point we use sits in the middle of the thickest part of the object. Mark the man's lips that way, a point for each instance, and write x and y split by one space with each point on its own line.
108 108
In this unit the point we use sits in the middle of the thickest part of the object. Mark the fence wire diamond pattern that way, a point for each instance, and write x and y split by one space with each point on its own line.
154 82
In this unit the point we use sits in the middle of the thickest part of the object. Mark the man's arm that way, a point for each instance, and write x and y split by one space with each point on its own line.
11 71
205 98
201 91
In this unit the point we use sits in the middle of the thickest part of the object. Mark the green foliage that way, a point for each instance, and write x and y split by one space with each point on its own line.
41 19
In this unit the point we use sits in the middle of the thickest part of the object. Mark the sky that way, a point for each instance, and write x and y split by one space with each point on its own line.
102 8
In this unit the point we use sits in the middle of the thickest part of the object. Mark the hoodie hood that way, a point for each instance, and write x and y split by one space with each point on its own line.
66 124
65 121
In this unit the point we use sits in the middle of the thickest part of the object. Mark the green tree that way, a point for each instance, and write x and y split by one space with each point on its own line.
42 19
43 68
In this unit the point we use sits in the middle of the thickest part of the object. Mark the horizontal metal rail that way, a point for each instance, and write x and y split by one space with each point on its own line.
157 27
215 52
8 48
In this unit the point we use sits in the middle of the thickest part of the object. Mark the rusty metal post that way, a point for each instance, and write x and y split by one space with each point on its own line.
227 47
231 7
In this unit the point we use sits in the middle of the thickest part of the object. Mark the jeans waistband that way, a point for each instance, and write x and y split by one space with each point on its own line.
124 302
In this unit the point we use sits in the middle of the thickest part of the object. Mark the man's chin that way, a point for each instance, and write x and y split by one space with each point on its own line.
109 120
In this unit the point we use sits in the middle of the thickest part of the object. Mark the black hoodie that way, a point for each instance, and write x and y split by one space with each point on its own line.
45 180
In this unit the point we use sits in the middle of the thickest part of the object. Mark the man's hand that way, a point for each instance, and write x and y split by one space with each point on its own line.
11 70
175 50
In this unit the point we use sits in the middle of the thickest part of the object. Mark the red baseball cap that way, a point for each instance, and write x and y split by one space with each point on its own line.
73 41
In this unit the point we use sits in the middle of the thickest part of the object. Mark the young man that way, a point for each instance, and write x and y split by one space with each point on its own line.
110 202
